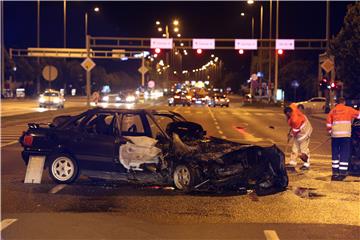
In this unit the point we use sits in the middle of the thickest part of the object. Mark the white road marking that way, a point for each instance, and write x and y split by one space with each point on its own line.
7 144
221 132
7 222
223 137
271 235
57 188
218 128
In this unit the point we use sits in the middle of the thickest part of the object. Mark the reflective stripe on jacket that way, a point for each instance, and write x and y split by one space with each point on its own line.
339 120
300 125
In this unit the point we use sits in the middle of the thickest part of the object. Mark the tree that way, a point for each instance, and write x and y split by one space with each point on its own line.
346 49
302 72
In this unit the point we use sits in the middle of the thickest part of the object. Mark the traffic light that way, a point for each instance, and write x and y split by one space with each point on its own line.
199 51
333 86
324 83
280 52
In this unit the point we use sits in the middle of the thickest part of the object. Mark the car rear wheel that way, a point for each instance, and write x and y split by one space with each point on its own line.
63 168
184 177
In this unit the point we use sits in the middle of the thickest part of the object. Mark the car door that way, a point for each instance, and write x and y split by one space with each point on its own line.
135 137
95 146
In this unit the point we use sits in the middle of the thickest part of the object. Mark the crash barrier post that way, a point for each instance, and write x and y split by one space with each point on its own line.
34 169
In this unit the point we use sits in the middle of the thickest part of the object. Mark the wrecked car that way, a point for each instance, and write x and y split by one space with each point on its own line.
151 147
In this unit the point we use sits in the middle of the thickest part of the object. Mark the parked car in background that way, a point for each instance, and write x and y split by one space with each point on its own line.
151 147
316 104
51 98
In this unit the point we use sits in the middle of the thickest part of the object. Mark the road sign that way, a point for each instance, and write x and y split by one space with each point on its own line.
327 65
143 70
49 73
151 84
203 43
285 44
162 43
246 44
88 64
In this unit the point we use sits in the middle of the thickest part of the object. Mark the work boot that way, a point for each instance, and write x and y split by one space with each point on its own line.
304 168
304 157
338 177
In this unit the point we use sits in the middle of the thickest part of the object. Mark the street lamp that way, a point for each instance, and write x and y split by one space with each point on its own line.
96 9
176 22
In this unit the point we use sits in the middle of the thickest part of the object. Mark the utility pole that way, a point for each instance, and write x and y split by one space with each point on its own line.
276 55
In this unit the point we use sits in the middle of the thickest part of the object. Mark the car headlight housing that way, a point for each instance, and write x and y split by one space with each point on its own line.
118 99
56 100
41 99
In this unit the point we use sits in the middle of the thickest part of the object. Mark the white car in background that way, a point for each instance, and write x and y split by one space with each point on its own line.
316 104
51 98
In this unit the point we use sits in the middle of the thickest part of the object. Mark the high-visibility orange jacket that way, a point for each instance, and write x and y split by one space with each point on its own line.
300 125
339 120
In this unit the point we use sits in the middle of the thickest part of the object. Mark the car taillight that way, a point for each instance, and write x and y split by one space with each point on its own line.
28 140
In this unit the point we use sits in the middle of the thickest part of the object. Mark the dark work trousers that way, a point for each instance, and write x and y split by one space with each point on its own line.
341 150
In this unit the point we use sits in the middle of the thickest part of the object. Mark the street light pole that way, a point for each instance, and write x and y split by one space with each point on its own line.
270 50
38 45
261 43
64 23
86 26
276 55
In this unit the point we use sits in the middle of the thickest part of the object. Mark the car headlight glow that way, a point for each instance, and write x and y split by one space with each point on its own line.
105 98
56 100
41 99
130 98
118 99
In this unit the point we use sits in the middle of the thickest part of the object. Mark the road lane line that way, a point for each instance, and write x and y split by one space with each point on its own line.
57 188
271 235
221 132
7 222
10 143
218 128
223 137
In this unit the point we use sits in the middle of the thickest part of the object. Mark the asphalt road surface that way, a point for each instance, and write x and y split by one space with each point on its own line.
312 207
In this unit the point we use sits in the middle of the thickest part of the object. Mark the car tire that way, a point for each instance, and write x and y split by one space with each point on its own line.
63 168
184 177
227 105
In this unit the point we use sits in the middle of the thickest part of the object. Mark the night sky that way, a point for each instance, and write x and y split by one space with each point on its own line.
137 19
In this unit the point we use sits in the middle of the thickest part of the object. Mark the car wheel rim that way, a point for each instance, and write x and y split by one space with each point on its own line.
63 168
182 177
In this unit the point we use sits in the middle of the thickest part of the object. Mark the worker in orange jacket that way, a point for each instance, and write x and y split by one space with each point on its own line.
300 131
338 123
